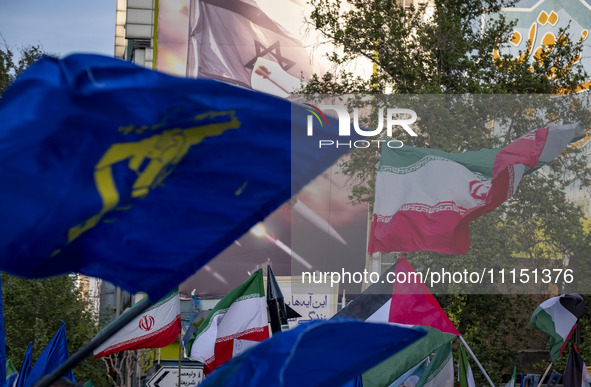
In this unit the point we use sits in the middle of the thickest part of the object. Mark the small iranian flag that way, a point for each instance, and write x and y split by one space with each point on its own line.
425 198
157 327
238 322
558 318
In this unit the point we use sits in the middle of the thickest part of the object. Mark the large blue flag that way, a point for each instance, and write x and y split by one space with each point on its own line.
138 177
319 353
54 354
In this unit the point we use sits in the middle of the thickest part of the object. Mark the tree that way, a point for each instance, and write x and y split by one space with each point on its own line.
124 366
34 309
10 69
433 55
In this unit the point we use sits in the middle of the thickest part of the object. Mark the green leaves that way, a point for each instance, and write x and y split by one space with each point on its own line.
33 311
10 68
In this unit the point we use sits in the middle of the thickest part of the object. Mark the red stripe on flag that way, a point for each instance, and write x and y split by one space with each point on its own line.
566 340
416 231
413 304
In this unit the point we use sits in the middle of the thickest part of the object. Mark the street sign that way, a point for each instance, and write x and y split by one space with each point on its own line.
168 376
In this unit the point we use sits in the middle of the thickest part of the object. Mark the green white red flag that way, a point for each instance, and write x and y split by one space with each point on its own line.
558 318
426 198
157 327
237 322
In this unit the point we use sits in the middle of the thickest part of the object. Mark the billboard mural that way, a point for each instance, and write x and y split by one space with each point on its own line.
263 45
538 24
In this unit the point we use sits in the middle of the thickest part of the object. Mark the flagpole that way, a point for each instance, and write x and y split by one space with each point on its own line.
2 341
545 373
476 360
180 355
86 350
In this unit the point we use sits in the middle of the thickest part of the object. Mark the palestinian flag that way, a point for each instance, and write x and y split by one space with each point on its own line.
426 198
558 318
378 303
413 303
575 372
157 327
238 322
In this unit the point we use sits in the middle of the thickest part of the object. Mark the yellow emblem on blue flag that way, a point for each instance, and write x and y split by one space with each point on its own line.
152 159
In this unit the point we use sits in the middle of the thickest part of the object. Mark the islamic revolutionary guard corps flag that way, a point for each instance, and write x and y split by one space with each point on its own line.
157 327
238 322
558 318
425 198
137 177
576 373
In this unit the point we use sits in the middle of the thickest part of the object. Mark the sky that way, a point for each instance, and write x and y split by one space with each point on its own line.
60 27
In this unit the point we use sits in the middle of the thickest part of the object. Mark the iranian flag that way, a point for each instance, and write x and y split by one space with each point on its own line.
157 327
237 322
425 198
558 318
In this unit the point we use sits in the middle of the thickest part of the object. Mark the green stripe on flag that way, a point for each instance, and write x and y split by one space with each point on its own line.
543 321
10 368
408 159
